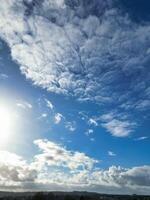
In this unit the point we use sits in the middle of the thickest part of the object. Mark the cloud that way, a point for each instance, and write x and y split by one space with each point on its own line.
44 115
68 70
111 153
92 139
3 76
49 104
102 55
59 168
24 104
57 118
89 132
141 138
13 168
56 155
71 126
122 177
117 127
92 121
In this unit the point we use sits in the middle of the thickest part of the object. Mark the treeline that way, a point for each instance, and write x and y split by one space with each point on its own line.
72 196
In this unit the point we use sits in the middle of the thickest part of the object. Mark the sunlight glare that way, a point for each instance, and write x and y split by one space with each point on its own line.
6 124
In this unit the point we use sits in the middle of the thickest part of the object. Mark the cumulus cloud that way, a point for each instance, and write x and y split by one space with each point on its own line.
63 169
14 169
122 177
56 155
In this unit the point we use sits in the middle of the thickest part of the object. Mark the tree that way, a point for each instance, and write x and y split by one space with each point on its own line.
39 196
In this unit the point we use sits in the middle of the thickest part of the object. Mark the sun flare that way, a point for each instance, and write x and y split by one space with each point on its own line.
6 124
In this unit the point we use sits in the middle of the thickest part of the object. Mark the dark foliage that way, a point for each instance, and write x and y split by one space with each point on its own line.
68 196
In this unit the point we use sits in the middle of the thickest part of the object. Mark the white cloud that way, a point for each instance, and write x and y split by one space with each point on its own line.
24 104
57 118
49 104
71 126
111 153
89 132
117 125
93 58
101 56
14 169
122 177
58 168
57 155
141 138
92 121
44 115
118 128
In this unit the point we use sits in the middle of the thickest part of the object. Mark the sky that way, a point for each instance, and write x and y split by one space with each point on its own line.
75 95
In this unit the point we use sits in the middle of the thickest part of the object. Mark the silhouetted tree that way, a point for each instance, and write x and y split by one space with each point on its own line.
69 197
39 196
82 198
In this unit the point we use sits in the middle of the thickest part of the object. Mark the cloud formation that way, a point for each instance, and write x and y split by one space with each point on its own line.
24 104
111 153
58 168
14 169
49 104
84 49
56 155
58 117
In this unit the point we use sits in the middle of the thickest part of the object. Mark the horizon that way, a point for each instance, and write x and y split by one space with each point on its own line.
75 96
72 192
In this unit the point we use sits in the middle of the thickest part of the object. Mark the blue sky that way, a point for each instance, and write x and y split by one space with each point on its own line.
74 81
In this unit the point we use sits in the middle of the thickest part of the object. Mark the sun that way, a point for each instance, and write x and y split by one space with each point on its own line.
6 124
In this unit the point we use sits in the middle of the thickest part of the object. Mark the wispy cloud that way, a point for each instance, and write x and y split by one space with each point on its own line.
49 104
24 104
57 118
92 121
111 153
71 126
15 170
3 76
141 138
89 132
118 126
